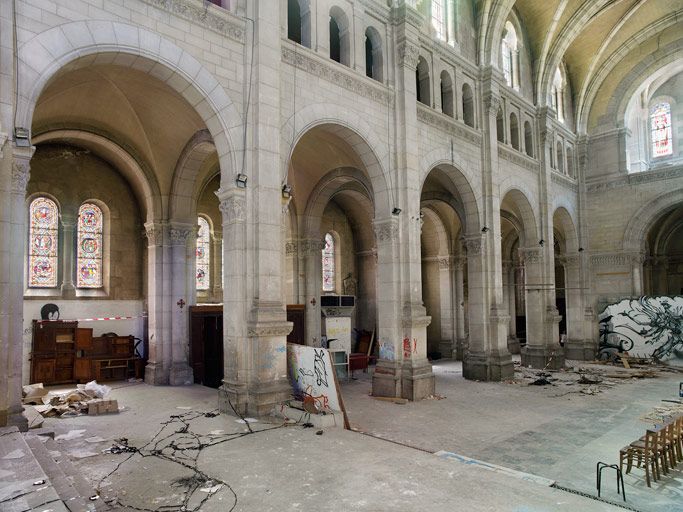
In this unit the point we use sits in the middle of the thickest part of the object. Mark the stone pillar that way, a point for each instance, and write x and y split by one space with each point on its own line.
574 347
158 359
446 311
259 382
386 380
509 298
180 372
14 176
460 333
217 267
542 348
311 249
68 222
637 261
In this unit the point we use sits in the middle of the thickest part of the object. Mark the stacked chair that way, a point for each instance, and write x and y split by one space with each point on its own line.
657 452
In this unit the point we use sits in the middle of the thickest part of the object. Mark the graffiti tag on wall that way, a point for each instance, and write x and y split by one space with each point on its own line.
310 374
645 327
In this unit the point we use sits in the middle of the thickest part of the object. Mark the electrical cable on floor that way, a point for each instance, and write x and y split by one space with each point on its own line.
175 442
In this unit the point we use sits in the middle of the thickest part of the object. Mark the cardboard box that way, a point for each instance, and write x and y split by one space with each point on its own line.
97 407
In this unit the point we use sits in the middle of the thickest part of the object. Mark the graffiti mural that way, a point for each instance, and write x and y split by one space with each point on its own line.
644 327
311 376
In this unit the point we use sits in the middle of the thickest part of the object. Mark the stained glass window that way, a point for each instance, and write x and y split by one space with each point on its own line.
43 243
203 249
557 94
438 18
509 48
89 253
660 120
328 264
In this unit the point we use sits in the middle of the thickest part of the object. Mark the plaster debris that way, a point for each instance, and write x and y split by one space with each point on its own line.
72 434
15 454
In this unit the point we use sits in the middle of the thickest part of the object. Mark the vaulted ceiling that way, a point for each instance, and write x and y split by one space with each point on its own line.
609 47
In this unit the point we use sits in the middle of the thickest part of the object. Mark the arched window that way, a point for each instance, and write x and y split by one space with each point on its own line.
467 105
339 36
514 131
89 254
43 243
328 255
660 130
557 94
500 126
528 139
509 56
559 160
373 54
294 21
446 94
203 252
439 19
422 82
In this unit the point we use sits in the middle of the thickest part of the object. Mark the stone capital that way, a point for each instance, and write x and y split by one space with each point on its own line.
530 255
492 103
408 54
155 233
474 245
178 234
386 230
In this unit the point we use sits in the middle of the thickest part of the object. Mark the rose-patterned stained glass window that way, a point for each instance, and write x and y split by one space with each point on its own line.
43 243
660 120
203 248
89 248
328 263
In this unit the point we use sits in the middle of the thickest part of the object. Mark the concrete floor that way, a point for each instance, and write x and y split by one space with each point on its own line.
283 468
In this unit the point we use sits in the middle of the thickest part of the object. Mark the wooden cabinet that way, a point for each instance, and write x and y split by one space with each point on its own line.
65 353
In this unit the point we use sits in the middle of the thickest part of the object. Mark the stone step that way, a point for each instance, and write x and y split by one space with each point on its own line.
78 480
24 485
62 483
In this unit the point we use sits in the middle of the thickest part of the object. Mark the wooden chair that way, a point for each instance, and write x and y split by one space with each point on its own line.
646 451
678 438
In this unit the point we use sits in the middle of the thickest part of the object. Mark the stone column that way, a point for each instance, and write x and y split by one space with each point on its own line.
14 176
460 333
509 299
386 380
637 261
542 348
446 294
68 222
158 360
180 372
311 249
574 346
217 267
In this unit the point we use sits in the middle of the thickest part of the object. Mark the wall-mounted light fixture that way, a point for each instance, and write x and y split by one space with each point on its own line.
241 180
396 211
580 249
484 229
541 242
286 191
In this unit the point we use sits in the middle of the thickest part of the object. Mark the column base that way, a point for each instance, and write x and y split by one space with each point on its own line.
181 375
256 400
446 348
386 379
513 345
488 367
417 380
543 357
155 375
581 350
14 418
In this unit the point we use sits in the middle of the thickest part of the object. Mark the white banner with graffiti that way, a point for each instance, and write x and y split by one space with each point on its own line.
312 375
644 327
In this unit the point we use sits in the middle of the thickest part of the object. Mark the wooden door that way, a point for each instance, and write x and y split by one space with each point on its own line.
213 350
197 346
296 315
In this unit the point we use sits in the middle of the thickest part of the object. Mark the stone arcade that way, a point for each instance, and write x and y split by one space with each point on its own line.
487 172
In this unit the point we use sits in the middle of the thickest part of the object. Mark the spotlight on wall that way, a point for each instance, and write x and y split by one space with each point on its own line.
580 249
484 229
395 211
541 242
22 137
241 180
286 191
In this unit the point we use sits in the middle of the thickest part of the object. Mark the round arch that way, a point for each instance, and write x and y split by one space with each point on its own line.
563 221
525 212
81 43
354 131
643 219
140 178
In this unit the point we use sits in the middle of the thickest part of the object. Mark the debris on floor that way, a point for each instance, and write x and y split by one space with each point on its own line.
85 399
